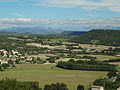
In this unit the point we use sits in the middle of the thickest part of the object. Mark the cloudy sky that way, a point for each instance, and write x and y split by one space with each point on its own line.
64 14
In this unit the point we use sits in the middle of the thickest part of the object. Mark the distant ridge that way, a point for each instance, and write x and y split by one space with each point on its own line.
8 33
34 30
73 32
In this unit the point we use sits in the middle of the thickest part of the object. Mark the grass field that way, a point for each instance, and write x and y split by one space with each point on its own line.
56 40
102 57
44 74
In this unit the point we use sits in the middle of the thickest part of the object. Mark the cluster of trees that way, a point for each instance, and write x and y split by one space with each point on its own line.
30 50
111 82
112 60
52 59
57 86
31 60
72 47
13 84
71 44
5 66
37 60
90 65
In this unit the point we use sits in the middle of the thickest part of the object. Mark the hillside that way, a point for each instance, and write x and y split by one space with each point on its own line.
101 36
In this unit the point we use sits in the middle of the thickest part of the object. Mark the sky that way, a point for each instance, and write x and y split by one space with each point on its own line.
65 14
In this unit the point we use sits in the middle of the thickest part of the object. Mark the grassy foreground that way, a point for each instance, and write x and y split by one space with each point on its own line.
44 74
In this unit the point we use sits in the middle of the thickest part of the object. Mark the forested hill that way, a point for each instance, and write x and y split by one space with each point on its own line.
99 36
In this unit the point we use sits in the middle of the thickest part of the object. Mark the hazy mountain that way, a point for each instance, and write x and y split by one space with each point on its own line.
51 30
38 30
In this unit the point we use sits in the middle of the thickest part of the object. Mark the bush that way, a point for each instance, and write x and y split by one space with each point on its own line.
13 84
80 87
5 66
108 85
112 74
57 86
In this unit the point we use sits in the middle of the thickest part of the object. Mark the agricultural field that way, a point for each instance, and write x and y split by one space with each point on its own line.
48 46
87 46
55 41
42 56
44 74
99 47
102 57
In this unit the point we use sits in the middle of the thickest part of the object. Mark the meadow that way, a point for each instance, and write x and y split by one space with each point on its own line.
44 74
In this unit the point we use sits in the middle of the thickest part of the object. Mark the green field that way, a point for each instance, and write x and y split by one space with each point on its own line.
44 74
102 57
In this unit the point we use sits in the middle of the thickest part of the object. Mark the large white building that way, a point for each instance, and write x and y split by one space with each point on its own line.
3 62
97 88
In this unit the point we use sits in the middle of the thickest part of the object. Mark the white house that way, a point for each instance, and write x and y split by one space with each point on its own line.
3 62
117 55
14 52
118 88
97 88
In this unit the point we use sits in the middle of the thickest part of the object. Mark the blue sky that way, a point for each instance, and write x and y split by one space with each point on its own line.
59 10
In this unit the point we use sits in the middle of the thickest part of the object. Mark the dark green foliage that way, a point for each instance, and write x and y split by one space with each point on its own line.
39 61
86 65
71 61
108 85
106 37
13 84
112 74
80 87
57 86
5 66
52 59
1 68
34 85
113 60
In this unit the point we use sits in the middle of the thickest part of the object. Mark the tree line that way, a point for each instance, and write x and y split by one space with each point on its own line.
90 65
13 84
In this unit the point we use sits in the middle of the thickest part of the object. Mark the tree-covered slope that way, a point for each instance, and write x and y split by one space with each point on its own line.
100 36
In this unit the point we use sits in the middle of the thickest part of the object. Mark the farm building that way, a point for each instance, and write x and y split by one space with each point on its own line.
117 55
3 62
97 88
118 88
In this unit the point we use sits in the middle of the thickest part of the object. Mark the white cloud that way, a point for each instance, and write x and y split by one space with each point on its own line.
112 5
67 24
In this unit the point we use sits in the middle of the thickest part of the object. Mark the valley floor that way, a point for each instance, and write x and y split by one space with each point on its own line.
45 74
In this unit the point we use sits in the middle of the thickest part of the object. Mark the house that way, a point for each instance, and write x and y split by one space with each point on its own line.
14 52
113 79
118 88
97 88
4 52
117 55
29 59
3 62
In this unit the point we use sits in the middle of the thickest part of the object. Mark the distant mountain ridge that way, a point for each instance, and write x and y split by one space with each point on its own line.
36 30
73 32
50 30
